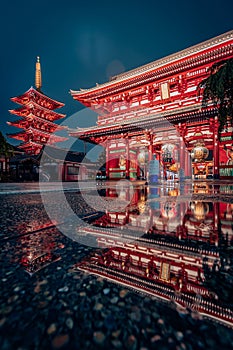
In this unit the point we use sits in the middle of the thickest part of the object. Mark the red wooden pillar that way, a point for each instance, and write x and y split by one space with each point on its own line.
138 165
182 154
150 157
149 137
107 160
214 233
150 151
216 149
188 168
127 158
62 171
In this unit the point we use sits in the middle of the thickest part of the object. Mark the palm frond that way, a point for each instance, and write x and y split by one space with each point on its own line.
218 88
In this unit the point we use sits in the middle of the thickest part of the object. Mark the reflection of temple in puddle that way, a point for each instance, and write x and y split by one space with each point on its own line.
38 242
177 248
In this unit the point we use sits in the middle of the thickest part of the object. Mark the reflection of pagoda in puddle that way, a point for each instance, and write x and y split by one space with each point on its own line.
176 245
38 260
38 245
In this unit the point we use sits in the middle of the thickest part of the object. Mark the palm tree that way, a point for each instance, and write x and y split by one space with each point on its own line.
218 87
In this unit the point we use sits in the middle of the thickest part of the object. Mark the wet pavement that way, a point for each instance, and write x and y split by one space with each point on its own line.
120 292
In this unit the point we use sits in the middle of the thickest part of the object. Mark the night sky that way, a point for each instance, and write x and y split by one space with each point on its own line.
82 43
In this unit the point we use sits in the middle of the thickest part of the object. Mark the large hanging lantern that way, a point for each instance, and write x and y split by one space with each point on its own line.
142 156
199 210
199 152
167 153
169 210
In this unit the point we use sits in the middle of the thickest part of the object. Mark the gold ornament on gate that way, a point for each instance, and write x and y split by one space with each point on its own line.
122 162
199 152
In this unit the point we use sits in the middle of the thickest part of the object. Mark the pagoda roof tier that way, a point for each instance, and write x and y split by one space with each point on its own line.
158 120
205 53
33 95
35 109
24 123
45 121
31 146
21 123
23 135
47 134
18 135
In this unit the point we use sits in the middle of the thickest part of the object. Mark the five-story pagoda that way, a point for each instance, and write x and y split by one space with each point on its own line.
37 117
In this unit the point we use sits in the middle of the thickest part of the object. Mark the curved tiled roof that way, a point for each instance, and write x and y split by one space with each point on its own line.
56 103
159 63
37 106
62 154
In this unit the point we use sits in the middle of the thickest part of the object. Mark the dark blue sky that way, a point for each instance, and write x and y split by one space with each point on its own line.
84 42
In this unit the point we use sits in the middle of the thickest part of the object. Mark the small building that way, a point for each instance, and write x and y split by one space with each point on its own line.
52 164
6 152
4 166
61 165
24 167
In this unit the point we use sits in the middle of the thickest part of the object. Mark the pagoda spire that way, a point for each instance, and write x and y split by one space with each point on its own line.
38 79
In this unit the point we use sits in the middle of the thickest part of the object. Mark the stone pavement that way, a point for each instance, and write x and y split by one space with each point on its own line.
59 307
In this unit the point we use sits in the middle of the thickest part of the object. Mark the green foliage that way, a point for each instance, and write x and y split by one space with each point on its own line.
218 87
5 148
